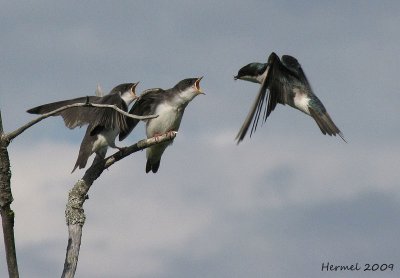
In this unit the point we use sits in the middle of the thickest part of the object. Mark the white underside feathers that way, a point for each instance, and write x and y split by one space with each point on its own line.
301 101
105 139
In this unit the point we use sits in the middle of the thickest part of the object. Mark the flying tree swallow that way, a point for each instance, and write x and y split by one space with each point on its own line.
287 84
104 124
169 105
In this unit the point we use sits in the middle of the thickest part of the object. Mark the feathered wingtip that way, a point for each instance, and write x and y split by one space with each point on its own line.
99 91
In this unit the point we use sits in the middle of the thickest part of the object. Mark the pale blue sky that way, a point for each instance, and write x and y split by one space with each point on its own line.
277 205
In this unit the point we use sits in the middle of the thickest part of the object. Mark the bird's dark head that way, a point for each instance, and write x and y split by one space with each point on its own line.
189 88
251 72
190 84
126 91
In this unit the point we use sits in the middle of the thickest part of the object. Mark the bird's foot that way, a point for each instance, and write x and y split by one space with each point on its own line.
157 137
121 149
171 133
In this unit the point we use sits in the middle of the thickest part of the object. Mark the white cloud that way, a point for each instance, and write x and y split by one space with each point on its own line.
141 218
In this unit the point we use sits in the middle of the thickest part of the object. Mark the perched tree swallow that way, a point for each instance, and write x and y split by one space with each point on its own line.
104 123
169 105
287 84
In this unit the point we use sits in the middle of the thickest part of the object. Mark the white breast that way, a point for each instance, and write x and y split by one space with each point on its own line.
168 119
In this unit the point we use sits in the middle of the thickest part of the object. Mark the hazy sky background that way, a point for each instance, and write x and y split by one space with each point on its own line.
278 205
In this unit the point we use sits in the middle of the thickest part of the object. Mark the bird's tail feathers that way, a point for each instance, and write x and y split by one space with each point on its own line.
82 159
325 124
152 166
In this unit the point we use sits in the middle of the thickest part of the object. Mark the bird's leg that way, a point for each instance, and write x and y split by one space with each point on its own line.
116 147
121 149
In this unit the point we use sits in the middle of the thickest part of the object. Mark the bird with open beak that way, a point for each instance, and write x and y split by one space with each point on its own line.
169 105
104 124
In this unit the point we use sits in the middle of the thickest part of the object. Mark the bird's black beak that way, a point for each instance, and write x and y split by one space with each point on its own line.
236 77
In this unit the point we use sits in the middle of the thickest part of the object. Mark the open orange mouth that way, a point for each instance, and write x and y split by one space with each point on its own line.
133 92
197 85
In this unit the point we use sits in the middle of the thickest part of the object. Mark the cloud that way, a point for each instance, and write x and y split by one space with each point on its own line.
189 212
280 203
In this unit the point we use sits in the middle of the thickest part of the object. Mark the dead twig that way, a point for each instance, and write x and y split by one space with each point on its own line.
74 213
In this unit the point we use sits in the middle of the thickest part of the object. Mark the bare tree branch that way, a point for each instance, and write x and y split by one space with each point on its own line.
6 198
74 212
10 136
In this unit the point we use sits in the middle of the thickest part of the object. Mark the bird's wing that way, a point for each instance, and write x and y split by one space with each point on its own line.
292 67
288 75
99 91
255 109
73 117
104 118
287 80
144 105
46 108
79 116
